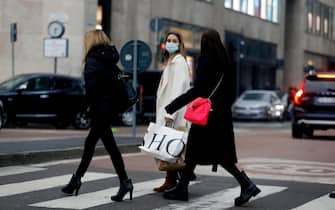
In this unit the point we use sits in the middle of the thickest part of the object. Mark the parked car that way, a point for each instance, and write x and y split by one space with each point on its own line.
2 115
258 105
314 104
45 98
148 82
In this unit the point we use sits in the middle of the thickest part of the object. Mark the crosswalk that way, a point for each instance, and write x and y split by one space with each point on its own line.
218 199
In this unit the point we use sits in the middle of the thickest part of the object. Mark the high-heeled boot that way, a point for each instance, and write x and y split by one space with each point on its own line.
73 185
179 192
248 190
170 181
125 187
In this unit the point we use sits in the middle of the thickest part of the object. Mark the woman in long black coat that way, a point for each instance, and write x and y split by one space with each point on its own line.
213 144
101 85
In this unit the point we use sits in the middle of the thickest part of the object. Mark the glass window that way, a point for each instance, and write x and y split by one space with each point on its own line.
236 5
244 6
263 9
227 3
309 15
275 11
251 10
269 10
316 8
325 22
257 8
331 23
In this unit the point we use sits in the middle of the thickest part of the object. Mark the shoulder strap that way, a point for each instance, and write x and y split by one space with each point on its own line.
216 87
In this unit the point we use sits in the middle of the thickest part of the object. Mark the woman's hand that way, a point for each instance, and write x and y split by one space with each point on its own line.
168 122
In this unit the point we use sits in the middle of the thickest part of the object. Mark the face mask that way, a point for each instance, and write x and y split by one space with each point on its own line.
172 47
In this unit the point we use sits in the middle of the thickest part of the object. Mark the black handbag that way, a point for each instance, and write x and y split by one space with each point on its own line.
127 93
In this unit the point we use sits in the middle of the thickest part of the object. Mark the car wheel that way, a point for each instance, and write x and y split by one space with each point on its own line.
127 118
297 131
82 120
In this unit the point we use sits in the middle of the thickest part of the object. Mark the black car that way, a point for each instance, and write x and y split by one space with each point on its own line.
314 105
45 98
2 115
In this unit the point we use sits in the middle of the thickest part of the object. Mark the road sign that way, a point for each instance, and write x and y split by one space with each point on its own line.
144 55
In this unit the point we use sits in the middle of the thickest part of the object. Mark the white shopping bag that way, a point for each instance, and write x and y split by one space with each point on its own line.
163 142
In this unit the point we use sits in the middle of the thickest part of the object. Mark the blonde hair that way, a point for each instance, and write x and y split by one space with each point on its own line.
94 38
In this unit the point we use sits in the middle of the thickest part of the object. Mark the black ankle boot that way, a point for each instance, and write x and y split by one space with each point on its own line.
248 190
179 192
73 185
125 187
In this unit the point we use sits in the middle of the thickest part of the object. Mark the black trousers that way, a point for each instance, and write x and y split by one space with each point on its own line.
101 130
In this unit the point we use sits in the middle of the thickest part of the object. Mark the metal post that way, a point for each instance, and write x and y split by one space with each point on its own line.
13 60
55 65
134 85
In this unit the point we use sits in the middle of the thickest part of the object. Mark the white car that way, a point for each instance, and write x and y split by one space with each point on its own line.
258 105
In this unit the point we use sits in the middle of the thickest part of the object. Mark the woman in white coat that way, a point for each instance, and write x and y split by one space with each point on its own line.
175 80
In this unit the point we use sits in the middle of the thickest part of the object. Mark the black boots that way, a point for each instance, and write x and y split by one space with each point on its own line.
179 192
248 190
73 185
125 187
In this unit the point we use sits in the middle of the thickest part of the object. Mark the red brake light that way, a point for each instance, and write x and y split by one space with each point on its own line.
298 95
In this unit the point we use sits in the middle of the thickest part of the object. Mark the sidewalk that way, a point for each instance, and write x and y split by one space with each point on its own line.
26 146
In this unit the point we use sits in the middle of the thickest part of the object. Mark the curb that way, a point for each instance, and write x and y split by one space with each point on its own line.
33 157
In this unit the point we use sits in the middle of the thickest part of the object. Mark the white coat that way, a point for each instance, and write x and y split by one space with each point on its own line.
174 81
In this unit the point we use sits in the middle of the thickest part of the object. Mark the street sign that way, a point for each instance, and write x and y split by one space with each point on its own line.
144 55
13 32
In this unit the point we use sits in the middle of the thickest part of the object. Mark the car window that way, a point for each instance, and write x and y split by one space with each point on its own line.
254 96
62 83
12 82
39 84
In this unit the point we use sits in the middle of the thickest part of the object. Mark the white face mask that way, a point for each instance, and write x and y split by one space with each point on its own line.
171 47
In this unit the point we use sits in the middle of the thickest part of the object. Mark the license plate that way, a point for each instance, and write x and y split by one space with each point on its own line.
326 100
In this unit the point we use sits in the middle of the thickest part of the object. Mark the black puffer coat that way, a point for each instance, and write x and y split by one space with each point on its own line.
213 143
100 76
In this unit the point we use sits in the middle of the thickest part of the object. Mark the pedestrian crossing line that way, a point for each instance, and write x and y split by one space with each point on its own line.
221 200
324 202
89 200
12 170
46 183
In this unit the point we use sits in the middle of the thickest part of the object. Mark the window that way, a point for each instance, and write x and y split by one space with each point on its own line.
236 5
228 4
244 6
309 15
317 18
275 11
61 83
263 9
251 10
257 8
269 10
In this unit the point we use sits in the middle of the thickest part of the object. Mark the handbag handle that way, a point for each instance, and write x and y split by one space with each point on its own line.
216 87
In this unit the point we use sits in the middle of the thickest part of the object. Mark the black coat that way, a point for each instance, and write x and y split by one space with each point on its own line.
213 143
100 75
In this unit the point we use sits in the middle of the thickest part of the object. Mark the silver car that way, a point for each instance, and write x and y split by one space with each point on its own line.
258 105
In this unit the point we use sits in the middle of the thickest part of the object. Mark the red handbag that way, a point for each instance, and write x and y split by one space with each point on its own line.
197 111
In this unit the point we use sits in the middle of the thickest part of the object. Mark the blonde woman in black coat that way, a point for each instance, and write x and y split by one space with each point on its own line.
100 75
213 144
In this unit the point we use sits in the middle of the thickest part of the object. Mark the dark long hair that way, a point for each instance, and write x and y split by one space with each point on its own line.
213 48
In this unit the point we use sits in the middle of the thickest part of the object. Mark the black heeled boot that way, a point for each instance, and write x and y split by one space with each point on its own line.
73 185
179 192
125 187
248 190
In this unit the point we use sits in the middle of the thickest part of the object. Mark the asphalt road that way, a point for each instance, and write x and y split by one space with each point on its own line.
292 174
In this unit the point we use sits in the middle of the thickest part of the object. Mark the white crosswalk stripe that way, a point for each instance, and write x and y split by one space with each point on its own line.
88 200
221 200
46 183
323 202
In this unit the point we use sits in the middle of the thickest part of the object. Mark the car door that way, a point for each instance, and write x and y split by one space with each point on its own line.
33 99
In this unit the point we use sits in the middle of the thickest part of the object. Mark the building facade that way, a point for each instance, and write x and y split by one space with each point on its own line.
270 41
309 39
